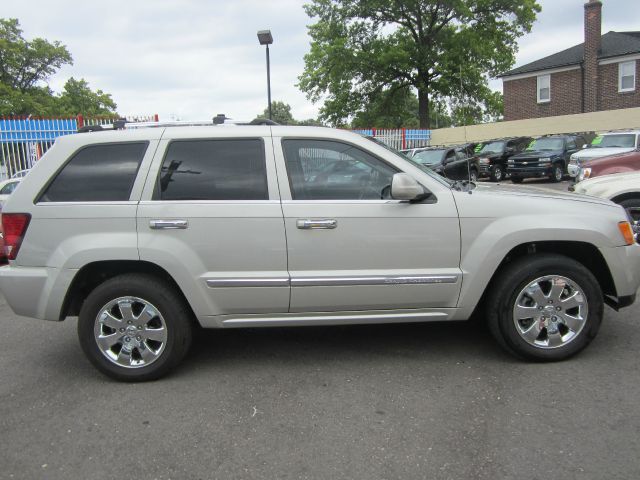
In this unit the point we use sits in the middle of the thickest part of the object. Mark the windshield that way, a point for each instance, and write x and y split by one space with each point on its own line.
424 168
428 157
612 141
492 147
542 144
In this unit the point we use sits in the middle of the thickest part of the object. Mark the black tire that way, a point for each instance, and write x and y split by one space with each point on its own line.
505 290
497 173
557 172
516 179
173 313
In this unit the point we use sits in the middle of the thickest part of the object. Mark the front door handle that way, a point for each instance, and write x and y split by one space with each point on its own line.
309 224
168 224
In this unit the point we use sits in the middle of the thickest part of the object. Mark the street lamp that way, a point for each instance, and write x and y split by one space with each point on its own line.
265 38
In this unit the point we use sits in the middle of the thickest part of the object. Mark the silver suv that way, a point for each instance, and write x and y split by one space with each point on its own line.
147 233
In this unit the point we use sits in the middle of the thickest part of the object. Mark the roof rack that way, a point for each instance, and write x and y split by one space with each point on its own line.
220 119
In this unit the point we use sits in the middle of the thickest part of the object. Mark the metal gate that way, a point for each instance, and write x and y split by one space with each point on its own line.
23 140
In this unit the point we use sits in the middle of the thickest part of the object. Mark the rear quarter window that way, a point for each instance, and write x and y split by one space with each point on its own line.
97 173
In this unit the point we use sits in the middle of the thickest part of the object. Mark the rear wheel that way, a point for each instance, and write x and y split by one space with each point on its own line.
134 327
545 307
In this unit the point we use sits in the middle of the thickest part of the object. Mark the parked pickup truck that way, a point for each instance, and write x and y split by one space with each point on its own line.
146 233
603 145
544 157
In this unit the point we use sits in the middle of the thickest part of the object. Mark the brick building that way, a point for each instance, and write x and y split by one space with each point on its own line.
599 74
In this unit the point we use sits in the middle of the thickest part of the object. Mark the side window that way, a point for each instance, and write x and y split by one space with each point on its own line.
97 173
328 170
571 143
8 188
213 170
451 155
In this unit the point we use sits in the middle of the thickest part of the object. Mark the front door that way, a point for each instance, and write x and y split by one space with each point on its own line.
350 249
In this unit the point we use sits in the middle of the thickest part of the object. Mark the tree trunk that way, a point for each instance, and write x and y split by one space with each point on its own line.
423 107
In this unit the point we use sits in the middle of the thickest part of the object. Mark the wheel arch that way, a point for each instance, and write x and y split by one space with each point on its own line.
583 252
93 274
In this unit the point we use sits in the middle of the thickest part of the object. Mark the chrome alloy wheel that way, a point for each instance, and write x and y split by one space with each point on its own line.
550 311
130 332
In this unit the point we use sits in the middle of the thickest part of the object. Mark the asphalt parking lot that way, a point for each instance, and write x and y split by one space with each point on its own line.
438 401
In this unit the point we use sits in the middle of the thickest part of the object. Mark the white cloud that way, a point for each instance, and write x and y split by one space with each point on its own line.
197 58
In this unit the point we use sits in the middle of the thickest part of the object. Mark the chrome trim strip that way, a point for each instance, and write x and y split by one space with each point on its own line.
373 280
248 282
332 281
334 318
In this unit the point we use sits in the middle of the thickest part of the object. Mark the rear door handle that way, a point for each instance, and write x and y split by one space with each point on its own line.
168 224
309 224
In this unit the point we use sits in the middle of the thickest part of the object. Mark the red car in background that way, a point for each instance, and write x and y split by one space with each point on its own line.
3 254
620 163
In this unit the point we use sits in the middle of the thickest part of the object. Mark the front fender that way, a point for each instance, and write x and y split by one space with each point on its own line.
486 242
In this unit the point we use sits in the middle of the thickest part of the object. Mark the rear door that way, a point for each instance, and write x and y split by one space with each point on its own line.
211 217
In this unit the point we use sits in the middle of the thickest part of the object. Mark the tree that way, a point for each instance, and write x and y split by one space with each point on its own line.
391 109
23 63
362 49
77 97
281 113
25 67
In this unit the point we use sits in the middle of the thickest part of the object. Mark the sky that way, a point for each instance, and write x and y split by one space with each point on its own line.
193 59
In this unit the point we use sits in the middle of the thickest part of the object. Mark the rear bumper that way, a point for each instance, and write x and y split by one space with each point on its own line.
36 292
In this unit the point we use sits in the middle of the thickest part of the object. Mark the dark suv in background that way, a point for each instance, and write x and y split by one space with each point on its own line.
544 157
493 155
452 162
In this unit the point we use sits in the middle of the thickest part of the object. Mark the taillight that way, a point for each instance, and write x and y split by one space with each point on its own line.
14 226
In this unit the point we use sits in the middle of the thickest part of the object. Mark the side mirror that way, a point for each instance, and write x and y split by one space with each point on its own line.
404 187
586 145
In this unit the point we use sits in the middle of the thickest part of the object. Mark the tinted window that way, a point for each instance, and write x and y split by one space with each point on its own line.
97 173
326 170
213 170
429 157
8 188
571 143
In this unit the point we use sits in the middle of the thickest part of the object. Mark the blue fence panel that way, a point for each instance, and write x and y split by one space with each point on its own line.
35 129
416 135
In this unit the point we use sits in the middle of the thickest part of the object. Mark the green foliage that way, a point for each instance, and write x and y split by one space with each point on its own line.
393 108
281 113
25 67
23 63
362 49
77 97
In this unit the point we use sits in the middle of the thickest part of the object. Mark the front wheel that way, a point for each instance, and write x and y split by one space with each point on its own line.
557 172
134 327
545 307
497 173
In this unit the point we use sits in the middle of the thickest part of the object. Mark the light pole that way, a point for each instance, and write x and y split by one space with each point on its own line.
265 38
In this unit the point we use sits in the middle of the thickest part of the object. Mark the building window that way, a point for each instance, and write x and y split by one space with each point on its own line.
627 76
544 88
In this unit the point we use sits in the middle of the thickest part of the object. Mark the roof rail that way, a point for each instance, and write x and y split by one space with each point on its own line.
220 119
